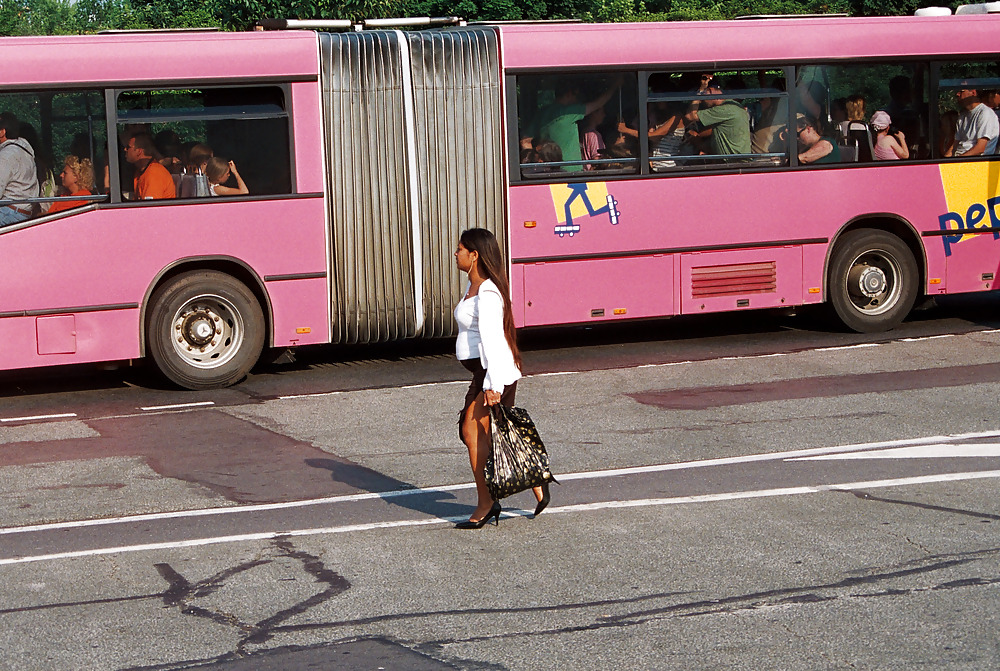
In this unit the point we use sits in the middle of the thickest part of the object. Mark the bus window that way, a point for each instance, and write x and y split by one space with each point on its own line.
54 126
968 99
841 102
569 125
246 125
716 119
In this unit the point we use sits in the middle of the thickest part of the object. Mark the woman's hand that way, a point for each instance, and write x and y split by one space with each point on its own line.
492 397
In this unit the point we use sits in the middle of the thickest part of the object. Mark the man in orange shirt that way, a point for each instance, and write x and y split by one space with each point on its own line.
152 180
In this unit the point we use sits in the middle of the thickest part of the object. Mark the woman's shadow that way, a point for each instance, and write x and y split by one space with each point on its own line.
432 502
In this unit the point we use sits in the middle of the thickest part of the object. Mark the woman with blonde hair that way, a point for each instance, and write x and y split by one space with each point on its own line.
77 180
487 347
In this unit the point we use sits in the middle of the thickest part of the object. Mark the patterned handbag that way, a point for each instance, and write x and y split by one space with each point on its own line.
518 460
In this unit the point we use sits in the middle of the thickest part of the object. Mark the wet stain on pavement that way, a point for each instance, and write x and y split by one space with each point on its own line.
234 458
703 398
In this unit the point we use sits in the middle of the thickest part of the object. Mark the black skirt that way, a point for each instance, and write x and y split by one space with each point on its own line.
476 387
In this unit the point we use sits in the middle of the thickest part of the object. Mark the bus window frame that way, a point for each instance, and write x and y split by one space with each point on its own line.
935 87
514 132
115 120
644 170
787 72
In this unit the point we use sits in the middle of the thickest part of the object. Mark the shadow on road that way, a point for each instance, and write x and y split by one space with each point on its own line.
392 491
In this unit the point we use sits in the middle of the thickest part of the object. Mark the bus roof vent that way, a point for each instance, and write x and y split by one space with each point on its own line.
983 8
347 24
933 11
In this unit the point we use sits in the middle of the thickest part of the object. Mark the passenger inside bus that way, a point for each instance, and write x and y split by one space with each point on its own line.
977 129
771 119
152 181
591 142
667 134
18 172
728 121
813 147
545 152
194 183
77 179
558 120
168 145
857 133
890 142
218 171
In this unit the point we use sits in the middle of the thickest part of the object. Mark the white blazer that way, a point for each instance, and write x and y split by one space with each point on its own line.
494 352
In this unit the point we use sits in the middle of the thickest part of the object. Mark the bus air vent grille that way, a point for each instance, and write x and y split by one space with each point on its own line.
733 280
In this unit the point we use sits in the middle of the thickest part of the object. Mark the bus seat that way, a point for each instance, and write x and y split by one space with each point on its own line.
849 152
862 137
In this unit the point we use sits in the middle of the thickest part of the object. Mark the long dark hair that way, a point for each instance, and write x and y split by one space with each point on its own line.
491 266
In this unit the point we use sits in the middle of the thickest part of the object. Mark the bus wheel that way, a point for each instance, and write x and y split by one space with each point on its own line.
206 330
873 280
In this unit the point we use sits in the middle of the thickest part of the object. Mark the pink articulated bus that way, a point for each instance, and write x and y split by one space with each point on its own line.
230 192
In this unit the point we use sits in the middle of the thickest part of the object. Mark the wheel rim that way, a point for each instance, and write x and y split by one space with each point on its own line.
873 282
207 331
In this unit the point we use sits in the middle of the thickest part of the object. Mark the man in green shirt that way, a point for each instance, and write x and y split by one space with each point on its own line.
729 122
559 121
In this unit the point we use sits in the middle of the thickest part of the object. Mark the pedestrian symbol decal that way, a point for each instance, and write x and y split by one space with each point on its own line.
573 202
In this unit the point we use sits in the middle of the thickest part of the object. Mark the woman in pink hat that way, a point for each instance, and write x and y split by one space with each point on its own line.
890 144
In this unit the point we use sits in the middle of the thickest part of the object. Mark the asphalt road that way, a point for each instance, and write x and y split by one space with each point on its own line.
746 491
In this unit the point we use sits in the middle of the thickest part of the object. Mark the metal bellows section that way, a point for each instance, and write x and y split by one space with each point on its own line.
371 251
414 157
458 113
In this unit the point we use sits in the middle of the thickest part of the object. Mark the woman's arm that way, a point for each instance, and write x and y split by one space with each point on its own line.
899 145
495 349
816 152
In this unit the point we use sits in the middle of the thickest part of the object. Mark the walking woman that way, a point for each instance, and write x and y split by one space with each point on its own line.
487 347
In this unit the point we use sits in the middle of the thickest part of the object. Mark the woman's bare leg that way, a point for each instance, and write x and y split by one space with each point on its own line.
476 436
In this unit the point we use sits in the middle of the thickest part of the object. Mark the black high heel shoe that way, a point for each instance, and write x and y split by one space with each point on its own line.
494 513
544 501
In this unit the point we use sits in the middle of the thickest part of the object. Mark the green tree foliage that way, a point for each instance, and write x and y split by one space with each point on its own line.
46 17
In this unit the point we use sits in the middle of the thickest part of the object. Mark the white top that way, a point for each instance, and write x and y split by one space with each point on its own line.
480 334
977 123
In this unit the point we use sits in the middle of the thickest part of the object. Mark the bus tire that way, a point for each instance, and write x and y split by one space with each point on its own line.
206 330
873 280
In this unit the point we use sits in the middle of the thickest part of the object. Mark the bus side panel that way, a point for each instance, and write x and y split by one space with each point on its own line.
741 279
813 273
971 259
308 138
685 214
102 262
565 292
296 321
84 337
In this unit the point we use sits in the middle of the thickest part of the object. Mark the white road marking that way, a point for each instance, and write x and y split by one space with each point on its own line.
934 337
785 491
63 415
584 475
177 406
841 348
932 451
583 507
